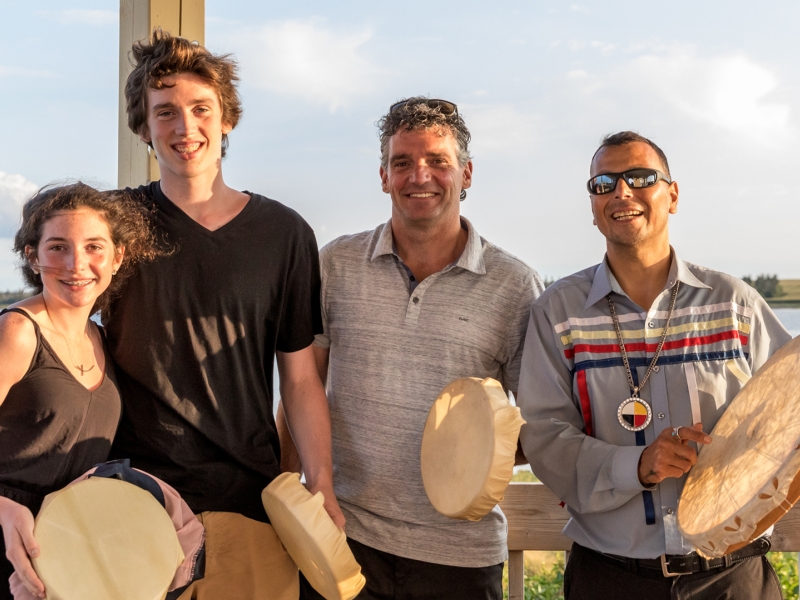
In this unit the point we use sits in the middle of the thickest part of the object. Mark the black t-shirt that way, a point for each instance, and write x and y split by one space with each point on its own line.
194 335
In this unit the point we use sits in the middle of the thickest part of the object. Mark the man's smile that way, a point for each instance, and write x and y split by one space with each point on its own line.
626 215
187 147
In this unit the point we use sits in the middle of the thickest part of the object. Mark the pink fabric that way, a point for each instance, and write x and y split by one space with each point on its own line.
191 536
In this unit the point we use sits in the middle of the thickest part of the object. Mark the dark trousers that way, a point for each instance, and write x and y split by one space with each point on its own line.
590 576
391 577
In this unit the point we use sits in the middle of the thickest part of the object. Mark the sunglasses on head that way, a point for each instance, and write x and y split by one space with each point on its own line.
635 178
445 107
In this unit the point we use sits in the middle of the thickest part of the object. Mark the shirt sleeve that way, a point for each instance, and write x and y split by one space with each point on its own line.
767 334
588 474
301 319
515 337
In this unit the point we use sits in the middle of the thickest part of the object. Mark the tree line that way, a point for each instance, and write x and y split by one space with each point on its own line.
766 285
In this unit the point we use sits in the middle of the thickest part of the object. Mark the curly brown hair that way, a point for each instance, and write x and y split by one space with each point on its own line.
165 55
128 221
414 114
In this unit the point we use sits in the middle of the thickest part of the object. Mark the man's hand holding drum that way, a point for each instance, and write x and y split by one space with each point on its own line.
670 455
243 280
619 358
405 313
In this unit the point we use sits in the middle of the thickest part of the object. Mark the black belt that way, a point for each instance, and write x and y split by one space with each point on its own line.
672 565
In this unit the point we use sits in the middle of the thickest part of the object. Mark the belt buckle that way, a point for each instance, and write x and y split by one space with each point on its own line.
665 568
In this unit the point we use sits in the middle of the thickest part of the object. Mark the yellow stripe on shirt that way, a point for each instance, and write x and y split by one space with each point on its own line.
567 339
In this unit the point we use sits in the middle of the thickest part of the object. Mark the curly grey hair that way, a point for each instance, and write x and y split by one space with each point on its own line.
415 115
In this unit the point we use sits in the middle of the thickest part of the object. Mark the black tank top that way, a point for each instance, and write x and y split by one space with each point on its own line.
53 429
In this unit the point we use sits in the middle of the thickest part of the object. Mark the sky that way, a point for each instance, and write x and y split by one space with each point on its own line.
537 82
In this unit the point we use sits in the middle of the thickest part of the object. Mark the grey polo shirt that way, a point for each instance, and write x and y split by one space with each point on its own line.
573 381
392 351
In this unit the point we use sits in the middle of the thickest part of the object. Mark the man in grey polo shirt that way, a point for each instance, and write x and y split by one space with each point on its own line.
407 308
625 363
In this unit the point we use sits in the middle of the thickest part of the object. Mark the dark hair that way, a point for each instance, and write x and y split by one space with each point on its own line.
416 115
628 137
164 55
128 221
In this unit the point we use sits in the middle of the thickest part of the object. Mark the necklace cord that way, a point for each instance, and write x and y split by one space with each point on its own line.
76 366
634 388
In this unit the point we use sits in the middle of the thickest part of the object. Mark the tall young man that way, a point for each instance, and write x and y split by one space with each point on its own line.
409 307
624 364
195 333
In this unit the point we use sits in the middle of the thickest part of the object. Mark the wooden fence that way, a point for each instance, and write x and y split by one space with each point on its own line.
535 520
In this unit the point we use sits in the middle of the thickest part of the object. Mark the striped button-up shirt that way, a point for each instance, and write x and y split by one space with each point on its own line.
573 381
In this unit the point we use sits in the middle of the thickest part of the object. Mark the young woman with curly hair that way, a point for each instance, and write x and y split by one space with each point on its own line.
59 401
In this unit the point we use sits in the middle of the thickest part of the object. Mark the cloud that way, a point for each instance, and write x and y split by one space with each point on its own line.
14 190
730 92
305 59
74 16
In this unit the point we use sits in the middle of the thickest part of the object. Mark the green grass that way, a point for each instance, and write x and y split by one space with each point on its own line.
542 581
790 297
785 564
524 477
546 582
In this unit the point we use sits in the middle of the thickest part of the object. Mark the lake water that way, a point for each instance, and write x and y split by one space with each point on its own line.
790 317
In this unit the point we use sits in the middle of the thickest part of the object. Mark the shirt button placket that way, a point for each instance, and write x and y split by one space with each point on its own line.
413 307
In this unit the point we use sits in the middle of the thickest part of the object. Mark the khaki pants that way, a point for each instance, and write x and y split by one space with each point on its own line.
245 560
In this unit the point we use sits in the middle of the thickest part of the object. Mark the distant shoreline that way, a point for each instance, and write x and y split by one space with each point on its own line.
790 297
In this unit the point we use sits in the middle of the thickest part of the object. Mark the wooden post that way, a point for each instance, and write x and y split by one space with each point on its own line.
535 520
516 575
137 19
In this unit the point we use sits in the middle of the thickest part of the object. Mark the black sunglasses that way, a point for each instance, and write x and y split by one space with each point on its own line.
635 178
445 107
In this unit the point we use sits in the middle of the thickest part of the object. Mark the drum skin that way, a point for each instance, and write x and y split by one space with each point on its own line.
747 478
468 448
104 538
312 539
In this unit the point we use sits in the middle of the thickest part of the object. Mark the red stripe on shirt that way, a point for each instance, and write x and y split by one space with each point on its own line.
586 405
641 346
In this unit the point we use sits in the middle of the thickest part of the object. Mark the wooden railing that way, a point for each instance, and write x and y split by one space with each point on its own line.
535 520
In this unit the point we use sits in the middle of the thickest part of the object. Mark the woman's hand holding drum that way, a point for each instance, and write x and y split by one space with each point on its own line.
17 523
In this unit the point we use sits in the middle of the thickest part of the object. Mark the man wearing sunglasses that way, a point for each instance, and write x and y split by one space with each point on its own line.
627 366
407 308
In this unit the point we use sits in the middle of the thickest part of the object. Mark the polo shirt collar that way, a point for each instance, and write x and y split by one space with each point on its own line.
385 243
604 281
471 258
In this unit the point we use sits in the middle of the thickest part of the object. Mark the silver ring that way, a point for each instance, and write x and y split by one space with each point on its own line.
676 434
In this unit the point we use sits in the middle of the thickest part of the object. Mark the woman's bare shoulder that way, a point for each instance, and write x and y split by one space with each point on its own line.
17 347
